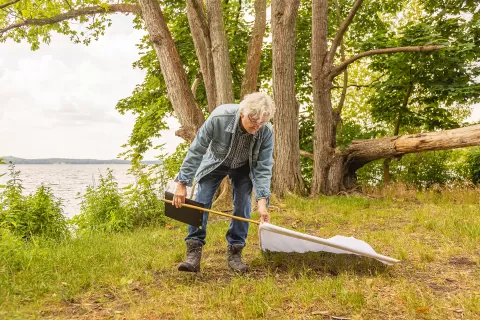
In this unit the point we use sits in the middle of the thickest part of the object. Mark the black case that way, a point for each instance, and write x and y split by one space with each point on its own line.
190 216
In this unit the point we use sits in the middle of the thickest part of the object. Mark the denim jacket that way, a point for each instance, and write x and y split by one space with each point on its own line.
213 143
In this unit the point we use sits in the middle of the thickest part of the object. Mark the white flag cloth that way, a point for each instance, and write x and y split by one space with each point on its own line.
277 239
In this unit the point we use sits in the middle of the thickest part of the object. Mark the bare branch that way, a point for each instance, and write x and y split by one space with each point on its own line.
195 84
354 85
339 69
306 154
342 29
8 4
113 8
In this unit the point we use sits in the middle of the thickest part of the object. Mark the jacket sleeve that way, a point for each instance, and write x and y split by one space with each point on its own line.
195 153
262 173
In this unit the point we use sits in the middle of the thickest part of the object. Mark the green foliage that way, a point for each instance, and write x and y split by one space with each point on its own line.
171 164
38 214
11 250
94 26
102 208
472 165
428 90
107 208
424 170
143 202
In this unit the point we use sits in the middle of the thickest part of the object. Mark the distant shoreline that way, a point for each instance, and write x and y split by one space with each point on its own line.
16 161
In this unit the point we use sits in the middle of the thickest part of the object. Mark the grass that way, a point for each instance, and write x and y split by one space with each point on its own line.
133 275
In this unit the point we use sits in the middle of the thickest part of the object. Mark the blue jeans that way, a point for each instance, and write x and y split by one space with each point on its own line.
242 194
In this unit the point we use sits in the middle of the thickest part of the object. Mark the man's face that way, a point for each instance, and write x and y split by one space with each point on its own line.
252 124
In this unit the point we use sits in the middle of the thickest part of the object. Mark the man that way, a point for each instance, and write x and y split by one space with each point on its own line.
235 141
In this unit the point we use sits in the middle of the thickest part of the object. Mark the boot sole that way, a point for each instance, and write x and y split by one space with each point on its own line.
239 271
186 268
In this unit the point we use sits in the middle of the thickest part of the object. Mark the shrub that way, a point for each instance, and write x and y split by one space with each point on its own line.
107 208
472 165
142 199
421 170
38 214
101 207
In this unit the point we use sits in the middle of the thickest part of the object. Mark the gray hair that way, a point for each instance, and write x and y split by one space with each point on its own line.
258 104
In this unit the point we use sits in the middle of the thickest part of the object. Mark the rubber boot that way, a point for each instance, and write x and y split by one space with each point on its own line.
194 255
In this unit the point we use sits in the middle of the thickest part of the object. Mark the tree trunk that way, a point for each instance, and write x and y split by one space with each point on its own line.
203 48
361 152
179 92
286 171
254 53
221 58
325 158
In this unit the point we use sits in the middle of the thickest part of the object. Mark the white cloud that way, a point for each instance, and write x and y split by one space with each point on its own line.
59 101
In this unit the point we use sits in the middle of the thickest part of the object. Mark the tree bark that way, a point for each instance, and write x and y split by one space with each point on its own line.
221 58
286 172
324 131
179 92
364 151
203 48
254 53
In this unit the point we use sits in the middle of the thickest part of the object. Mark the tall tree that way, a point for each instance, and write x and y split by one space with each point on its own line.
286 176
332 170
178 88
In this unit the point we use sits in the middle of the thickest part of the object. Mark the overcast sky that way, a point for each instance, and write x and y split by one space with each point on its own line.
59 101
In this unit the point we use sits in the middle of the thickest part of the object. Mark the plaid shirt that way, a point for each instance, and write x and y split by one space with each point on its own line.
240 149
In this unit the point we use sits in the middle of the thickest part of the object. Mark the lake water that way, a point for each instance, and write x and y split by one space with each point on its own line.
66 180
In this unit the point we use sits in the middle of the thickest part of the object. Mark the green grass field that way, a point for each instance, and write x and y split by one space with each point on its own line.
133 275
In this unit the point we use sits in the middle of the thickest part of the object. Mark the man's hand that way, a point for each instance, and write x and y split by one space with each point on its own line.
180 195
262 209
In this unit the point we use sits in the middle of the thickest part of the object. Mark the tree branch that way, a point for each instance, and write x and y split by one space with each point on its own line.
68 3
8 4
306 154
339 69
364 151
195 84
202 19
113 8
345 74
341 31
354 85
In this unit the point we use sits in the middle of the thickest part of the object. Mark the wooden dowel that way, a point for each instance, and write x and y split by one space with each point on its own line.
215 212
